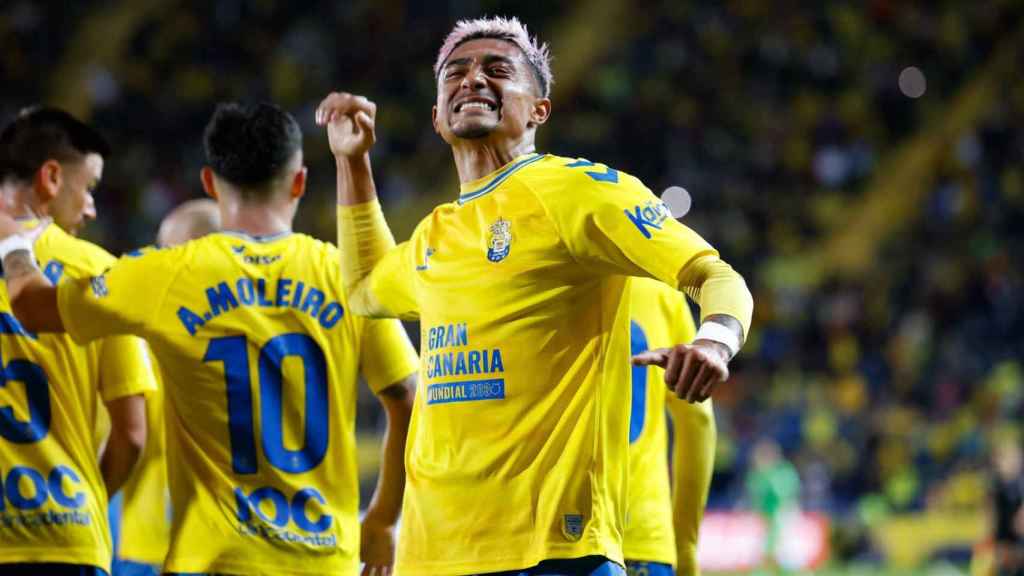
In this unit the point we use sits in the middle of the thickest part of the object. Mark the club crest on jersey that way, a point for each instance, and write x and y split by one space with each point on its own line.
99 286
499 243
572 526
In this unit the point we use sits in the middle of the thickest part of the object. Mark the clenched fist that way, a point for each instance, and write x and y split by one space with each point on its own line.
350 123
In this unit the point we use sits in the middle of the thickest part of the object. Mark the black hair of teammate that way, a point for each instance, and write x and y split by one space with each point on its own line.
42 133
249 145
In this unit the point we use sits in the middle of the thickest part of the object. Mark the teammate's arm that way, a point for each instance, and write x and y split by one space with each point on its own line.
33 298
389 365
125 375
378 542
126 442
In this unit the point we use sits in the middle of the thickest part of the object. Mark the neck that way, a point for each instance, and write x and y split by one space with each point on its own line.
477 158
22 203
256 219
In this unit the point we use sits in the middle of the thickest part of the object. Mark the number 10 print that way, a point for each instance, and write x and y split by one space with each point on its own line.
234 353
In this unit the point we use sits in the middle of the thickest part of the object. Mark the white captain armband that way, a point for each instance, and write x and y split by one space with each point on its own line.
722 334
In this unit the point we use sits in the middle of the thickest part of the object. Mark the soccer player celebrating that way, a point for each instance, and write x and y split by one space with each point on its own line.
53 492
518 445
662 524
143 516
260 357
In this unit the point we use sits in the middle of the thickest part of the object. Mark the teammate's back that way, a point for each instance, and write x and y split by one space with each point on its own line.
260 360
261 366
142 523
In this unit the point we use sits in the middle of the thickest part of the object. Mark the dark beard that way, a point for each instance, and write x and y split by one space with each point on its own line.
473 132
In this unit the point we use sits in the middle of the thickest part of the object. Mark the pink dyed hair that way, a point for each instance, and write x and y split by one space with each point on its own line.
508 29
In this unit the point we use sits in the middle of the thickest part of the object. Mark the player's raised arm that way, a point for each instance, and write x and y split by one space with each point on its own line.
364 238
33 298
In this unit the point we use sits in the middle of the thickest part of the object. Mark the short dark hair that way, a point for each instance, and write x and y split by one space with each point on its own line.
42 133
250 144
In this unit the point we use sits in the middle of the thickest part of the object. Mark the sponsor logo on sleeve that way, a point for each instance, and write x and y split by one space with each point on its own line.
649 215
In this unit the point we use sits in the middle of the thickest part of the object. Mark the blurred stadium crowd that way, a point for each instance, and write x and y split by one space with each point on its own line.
886 383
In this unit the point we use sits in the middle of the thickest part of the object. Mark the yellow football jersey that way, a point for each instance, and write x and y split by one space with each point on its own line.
145 512
53 501
517 448
659 318
261 360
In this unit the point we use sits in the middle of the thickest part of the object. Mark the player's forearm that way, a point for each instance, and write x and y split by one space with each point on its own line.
355 180
118 462
33 298
386 504
363 240
721 293
126 443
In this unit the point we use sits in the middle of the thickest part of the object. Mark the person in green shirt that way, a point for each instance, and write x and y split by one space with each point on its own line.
773 487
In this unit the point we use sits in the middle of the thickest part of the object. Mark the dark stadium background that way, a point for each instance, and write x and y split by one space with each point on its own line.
859 162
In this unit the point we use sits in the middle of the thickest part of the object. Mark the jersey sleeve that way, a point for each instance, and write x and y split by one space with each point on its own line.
386 354
377 274
125 368
122 300
610 222
391 284
684 328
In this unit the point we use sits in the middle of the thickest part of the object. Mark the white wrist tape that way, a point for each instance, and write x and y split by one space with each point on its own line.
13 244
722 334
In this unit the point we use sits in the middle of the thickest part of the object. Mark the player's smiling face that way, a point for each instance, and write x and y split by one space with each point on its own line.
487 88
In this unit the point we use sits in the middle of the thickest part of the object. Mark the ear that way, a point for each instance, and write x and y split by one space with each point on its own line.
206 177
299 184
541 112
433 118
49 179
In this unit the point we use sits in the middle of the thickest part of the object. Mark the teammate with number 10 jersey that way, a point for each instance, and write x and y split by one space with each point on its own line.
260 358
